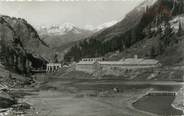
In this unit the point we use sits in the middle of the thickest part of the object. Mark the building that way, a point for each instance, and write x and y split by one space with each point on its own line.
87 66
93 59
52 67
129 63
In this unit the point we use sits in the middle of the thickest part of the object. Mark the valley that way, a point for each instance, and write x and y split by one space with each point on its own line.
130 67
94 98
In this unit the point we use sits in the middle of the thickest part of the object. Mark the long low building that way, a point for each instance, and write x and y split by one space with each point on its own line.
130 63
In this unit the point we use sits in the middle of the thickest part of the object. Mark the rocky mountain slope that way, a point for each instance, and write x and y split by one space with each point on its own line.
149 30
101 27
20 45
61 38
60 29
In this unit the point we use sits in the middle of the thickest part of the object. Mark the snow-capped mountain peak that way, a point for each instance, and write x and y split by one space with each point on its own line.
58 29
68 26
106 25
89 27
71 28
101 27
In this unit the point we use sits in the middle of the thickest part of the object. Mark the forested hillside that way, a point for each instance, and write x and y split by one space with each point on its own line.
140 24
60 38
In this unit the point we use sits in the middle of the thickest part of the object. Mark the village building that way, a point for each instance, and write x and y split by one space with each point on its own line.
52 67
128 64
87 66
93 59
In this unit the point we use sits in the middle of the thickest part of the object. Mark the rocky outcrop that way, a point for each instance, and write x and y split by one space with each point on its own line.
20 45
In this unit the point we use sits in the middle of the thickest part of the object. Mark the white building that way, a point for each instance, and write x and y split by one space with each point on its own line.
130 63
93 59
52 67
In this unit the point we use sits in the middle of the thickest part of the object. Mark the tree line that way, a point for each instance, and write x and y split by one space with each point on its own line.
163 12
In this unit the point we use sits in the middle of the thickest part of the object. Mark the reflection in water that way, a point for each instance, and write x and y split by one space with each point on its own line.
160 104
128 86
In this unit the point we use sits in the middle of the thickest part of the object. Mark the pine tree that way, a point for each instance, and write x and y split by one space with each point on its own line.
152 52
56 58
180 30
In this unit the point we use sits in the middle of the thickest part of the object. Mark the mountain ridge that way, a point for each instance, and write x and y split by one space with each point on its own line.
136 26
60 29
20 44
61 37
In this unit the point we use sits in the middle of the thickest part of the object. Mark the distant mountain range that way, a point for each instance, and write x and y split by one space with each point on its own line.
60 29
61 37
71 28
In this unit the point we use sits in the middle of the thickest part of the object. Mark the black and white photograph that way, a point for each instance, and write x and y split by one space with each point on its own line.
92 58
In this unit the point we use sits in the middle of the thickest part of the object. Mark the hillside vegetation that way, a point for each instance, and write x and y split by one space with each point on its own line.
20 45
146 31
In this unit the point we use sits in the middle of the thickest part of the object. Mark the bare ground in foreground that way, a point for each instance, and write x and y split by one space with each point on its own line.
53 103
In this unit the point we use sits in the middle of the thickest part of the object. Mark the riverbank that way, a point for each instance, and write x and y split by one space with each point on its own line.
6 100
179 101
13 104
86 98
158 104
85 103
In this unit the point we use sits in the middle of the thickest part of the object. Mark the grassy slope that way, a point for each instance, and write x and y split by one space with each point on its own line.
173 54
141 48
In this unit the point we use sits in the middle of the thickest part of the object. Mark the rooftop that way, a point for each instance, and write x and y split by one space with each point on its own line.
129 61
86 62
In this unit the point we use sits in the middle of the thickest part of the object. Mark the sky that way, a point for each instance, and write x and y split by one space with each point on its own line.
79 13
